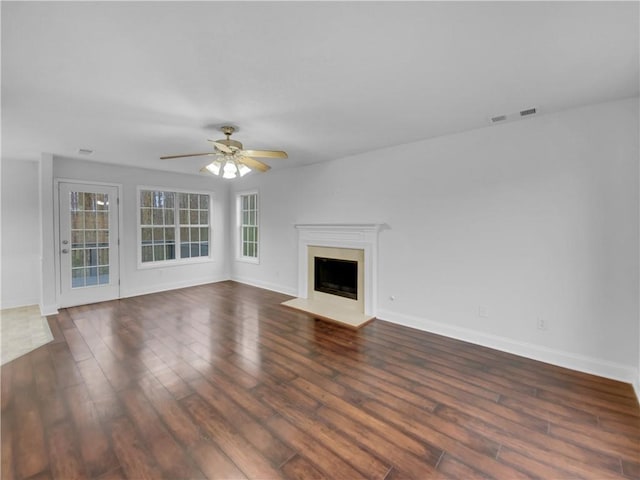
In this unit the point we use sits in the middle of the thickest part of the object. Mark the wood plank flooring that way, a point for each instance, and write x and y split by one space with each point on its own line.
221 381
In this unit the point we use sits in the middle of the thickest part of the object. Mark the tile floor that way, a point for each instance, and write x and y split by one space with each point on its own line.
22 330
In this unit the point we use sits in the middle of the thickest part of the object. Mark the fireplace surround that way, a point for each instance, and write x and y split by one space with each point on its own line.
348 242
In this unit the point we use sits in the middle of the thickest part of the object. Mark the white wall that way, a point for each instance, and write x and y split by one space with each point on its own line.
20 234
135 281
535 218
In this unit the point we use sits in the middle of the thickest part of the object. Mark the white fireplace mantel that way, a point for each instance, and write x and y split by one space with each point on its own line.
362 236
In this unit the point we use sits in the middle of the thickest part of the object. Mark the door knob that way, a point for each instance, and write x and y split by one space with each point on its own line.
65 250
65 242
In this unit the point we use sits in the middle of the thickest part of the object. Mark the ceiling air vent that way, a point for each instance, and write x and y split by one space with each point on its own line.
528 111
498 118
85 151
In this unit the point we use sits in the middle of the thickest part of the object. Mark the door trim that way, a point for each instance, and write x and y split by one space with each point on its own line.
56 226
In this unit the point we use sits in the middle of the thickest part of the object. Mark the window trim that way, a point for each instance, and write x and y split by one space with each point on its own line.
178 261
238 229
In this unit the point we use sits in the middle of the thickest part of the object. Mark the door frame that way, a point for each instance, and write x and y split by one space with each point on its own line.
56 226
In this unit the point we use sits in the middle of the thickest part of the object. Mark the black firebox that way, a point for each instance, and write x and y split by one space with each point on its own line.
337 277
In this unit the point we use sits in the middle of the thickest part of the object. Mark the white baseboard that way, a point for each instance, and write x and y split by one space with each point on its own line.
171 286
266 285
582 363
18 302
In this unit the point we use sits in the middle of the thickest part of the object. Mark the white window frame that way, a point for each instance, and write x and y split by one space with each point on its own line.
239 243
177 261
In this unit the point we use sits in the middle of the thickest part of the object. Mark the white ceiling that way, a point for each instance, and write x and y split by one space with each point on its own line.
321 80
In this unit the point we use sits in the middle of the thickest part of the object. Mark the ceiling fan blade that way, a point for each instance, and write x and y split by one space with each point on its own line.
254 164
265 153
169 157
221 146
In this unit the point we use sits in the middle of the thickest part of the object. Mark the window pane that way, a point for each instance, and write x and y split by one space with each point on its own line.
170 252
158 235
77 220
77 277
77 258
90 202
204 234
184 200
146 236
103 238
145 216
184 250
92 276
193 201
169 203
169 235
195 249
102 201
103 256
103 275
90 238
102 220
158 253
184 234
89 220
145 198
91 257
77 238
195 234
194 219
75 201
204 249
147 254
158 199
158 216
204 217
184 217
169 217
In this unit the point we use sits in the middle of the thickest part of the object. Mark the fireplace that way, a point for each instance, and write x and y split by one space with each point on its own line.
347 249
336 277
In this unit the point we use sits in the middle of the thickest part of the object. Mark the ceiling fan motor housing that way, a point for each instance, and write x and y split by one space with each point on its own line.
230 143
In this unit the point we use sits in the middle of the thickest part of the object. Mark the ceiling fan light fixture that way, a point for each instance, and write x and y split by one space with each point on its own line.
214 167
230 170
243 169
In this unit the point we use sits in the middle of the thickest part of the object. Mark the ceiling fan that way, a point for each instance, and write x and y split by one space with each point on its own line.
231 159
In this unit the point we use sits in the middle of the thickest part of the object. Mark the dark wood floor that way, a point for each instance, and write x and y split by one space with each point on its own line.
220 381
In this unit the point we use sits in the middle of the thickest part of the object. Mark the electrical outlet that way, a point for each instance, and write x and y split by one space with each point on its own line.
483 312
541 323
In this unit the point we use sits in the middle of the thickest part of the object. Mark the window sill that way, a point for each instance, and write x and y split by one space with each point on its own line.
174 263
253 260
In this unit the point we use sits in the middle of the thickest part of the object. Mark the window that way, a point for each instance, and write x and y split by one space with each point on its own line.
248 223
173 226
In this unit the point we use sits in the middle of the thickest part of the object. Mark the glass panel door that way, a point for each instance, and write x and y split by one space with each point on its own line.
88 241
